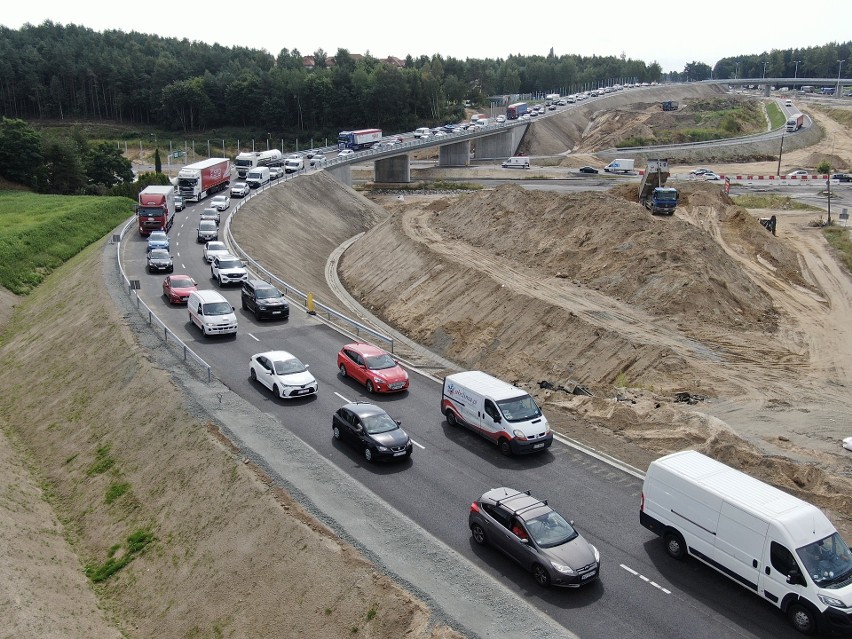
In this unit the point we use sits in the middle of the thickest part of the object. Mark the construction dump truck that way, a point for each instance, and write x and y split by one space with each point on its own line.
653 193
670 105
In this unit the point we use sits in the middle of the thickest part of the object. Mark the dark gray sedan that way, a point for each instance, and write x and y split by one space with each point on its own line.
160 261
372 431
534 535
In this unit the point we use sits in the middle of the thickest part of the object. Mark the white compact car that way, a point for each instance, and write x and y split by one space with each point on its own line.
282 373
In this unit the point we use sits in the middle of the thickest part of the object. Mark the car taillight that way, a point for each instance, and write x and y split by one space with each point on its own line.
474 507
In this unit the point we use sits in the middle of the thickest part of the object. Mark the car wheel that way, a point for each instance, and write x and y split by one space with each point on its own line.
252 375
220 281
368 454
343 370
257 314
171 269
245 306
802 619
336 432
451 418
478 534
370 388
675 545
275 390
505 447
541 576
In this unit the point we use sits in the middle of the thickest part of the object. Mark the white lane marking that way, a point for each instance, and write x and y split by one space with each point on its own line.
645 579
342 397
418 445
253 337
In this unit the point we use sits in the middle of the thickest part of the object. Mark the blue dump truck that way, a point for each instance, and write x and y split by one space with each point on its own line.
653 193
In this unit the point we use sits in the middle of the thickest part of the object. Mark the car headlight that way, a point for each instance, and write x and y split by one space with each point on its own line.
261 307
519 434
565 569
382 449
831 601
597 554
378 380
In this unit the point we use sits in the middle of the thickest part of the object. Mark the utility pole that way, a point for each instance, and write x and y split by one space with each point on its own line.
764 63
839 66
778 172
796 72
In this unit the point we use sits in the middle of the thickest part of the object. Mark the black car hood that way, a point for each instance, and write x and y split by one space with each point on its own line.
575 553
392 438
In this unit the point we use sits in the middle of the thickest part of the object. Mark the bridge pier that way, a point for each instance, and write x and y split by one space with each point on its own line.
500 145
342 173
394 170
455 154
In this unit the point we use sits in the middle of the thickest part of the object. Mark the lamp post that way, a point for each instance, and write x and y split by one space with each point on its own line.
796 71
778 172
764 63
268 135
737 71
839 66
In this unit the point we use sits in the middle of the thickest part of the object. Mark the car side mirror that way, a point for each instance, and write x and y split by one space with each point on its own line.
398 422
233 309
795 577
359 428
497 419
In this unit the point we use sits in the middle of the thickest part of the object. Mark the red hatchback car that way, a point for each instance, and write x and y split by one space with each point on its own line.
373 367
177 288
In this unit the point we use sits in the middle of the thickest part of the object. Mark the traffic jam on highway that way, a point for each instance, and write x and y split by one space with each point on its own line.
775 545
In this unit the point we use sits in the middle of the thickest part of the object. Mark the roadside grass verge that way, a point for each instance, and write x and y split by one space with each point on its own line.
38 233
781 202
838 238
777 119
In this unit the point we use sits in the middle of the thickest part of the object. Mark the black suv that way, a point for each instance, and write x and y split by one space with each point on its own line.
264 300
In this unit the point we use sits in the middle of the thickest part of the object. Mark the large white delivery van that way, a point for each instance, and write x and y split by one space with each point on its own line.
211 312
518 162
257 177
777 546
620 166
500 412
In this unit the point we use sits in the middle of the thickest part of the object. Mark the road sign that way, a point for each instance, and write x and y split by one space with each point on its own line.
177 154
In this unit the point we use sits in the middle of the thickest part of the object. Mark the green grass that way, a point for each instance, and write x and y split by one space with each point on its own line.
103 462
38 233
838 237
772 202
777 118
115 491
136 543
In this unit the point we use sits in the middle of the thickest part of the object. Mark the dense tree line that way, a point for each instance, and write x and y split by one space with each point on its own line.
62 165
810 62
53 71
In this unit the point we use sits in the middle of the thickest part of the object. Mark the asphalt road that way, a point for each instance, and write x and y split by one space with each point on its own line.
641 592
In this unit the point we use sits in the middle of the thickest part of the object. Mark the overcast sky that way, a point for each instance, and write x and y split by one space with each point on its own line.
670 33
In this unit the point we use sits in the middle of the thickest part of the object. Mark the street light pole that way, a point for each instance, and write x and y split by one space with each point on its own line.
778 172
796 72
839 66
764 63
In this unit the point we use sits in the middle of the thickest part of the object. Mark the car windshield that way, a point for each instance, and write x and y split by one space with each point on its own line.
217 308
158 236
550 530
207 225
378 362
159 254
827 561
519 409
267 293
216 246
182 282
289 367
235 263
381 423
211 212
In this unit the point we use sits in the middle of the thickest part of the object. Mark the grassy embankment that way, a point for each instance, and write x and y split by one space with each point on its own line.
38 233
710 119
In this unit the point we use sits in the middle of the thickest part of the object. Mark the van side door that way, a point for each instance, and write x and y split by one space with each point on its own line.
773 578
740 540
490 420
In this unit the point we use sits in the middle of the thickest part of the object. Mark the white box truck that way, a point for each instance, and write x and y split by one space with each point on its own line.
620 166
777 546
501 413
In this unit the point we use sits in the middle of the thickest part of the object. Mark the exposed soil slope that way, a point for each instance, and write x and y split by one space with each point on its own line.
231 555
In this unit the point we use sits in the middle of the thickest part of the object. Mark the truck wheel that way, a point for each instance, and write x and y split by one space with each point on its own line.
451 418
802 619
505 447
675 545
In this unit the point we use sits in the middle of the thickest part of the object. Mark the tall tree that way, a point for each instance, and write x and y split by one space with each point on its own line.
20 151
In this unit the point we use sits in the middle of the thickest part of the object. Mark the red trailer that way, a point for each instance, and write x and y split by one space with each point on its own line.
197 181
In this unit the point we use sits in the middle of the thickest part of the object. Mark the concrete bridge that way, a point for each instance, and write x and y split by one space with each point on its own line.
393 165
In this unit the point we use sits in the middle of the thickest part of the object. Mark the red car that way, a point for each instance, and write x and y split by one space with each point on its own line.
176 288
373 367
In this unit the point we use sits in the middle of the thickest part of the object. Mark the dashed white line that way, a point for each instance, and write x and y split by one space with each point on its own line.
421 446
342 397
645 579
253 337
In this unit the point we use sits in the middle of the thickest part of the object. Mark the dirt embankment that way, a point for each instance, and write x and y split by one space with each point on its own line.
589 288
112 437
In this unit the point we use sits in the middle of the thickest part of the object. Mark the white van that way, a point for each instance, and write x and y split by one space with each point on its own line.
257 177
777 546
422 132
516 163
500 412
211 312
291 165
788 103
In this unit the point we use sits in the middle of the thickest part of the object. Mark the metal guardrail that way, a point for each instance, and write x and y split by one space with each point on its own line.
168 336
329 314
